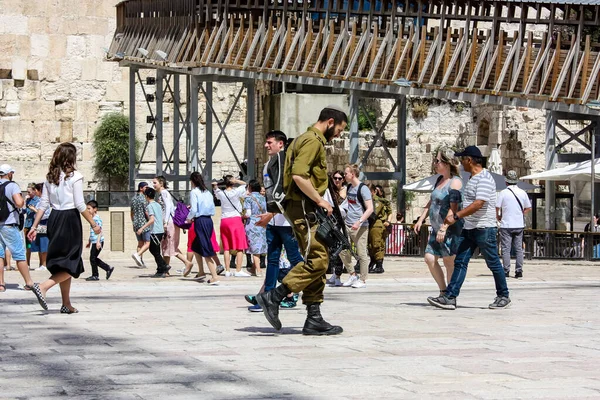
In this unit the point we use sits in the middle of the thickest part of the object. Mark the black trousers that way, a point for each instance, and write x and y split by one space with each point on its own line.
161 265
95 262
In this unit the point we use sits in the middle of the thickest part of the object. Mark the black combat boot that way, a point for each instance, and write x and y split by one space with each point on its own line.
249 263
378 267
316 325
269 302
371 265
263 260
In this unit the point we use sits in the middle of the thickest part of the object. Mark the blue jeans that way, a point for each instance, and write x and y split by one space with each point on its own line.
278 237
485 239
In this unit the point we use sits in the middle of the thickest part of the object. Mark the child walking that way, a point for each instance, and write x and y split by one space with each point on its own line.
95 244
155 223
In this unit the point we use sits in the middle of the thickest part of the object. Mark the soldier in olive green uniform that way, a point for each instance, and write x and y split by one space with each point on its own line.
378 232
305 182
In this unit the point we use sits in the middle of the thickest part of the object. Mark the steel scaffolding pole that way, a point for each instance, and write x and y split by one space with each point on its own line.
550 193
132 164
159 121
176 114
208 142
250 130
401 154
194 83
353 128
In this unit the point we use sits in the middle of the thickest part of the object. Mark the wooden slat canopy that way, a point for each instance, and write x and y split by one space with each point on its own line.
542 51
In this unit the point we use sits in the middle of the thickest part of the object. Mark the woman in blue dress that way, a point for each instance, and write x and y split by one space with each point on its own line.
446 199
255 205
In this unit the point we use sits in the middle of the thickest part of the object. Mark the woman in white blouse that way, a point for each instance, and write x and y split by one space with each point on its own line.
170 242
233 234
63 192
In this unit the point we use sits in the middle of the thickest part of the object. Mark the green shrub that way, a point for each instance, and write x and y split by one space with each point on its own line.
111 146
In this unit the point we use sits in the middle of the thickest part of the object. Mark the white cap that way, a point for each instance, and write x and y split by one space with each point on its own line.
6 169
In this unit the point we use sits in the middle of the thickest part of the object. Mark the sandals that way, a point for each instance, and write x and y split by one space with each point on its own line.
2 288
38 293
212 283
66 310
27 287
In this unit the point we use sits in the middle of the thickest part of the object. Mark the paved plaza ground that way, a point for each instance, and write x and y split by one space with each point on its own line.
175 338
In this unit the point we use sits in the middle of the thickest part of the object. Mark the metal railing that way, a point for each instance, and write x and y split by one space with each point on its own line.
538 244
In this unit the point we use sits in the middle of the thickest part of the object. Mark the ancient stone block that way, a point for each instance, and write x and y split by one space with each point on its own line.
76 46
19 68
38 110
40 45
30 91
12 108
13 24
66 131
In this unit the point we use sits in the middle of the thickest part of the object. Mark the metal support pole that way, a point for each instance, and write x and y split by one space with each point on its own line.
550 192
159 121
353 128
208 142
132 164
250 129
593 166
401 154
176 113
188 152
194 123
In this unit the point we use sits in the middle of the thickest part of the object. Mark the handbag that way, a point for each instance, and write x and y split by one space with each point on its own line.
42 229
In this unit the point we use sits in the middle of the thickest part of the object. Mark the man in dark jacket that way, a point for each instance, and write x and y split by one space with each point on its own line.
279 231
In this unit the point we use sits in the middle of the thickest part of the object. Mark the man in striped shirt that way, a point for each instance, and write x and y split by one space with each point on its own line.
480 230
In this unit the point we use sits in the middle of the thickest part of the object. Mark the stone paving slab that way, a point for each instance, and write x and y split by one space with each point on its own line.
176 338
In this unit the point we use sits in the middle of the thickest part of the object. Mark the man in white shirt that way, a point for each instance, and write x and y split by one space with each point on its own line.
511 206
10 231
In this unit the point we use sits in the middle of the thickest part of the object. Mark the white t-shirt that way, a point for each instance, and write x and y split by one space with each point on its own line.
231 205
512 216
278 219
481 187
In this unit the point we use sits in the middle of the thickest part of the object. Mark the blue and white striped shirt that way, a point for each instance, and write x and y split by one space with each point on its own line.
481 187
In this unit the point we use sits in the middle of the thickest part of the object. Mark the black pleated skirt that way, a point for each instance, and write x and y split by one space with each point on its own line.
202 244
65 242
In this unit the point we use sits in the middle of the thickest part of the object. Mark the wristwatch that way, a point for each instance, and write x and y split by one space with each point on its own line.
456 217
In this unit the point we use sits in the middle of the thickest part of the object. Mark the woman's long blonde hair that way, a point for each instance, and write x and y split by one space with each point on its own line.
447 157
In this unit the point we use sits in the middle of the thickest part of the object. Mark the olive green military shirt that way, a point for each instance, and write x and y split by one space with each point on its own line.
306 158
382 208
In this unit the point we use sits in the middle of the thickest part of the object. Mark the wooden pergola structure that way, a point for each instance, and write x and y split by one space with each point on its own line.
538 54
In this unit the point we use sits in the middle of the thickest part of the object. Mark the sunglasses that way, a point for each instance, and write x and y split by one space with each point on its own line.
337 178
436 161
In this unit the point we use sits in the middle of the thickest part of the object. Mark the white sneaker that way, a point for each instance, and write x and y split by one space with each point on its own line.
359 284
241 273
138 260
350 281
41 268
331 280
228 273
179 271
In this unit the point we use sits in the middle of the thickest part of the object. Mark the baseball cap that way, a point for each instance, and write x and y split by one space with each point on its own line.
141 185
469 151
512 177
6 169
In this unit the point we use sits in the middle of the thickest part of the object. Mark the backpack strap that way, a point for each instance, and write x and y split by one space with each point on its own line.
3 191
